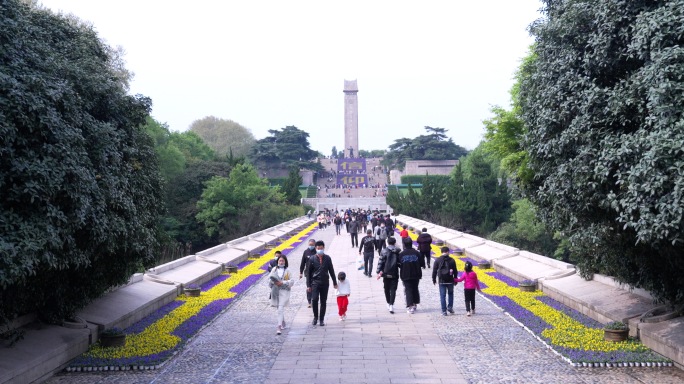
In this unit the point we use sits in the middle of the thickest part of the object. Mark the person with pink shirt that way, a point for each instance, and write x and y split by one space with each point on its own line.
469 287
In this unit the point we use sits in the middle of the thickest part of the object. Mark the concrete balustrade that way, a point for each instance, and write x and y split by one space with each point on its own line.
46 349
602 298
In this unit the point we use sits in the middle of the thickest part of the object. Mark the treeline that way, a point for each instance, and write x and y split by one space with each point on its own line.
93 189
211 198
591 147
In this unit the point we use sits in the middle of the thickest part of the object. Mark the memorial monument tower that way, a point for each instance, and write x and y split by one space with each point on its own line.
351 119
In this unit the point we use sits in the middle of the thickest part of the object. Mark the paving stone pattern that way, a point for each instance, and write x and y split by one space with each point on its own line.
371 346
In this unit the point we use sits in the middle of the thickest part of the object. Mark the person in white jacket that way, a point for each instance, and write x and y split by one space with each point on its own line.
281 281
342 292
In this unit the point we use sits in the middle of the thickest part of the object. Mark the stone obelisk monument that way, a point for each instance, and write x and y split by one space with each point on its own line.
351 119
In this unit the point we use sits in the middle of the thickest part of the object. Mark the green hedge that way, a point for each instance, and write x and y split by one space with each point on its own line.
418 179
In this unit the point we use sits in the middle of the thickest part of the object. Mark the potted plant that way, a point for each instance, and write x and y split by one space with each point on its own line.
192 290
112 337
231 268
484 264
615 331
528 285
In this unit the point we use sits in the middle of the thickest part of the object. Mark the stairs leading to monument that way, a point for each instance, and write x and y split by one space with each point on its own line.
311 192
351 178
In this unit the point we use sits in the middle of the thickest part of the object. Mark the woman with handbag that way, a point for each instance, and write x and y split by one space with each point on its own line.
281 282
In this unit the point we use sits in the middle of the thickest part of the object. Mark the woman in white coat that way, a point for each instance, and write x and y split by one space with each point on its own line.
281 281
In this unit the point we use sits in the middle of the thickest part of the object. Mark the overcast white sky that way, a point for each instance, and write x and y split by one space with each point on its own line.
269 64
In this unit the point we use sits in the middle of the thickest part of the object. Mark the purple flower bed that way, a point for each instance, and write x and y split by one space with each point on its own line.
504 279
474 262
195 323
153 317
213 282
245 284
527 318
147 361
244 264
579 356
575 315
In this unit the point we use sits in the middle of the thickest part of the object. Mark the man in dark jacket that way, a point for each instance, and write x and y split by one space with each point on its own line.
388 268
354 232
367 247
424 241
317 281
410 274
304 265
445 271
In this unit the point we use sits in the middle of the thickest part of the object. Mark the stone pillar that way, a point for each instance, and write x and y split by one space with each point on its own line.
351 119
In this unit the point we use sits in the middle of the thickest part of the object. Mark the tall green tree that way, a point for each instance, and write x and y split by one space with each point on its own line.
604 110
224 136
435 145
505 131
241 204
81 193
285 148
291 187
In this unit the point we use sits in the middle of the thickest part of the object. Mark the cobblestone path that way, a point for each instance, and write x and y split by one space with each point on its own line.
371 346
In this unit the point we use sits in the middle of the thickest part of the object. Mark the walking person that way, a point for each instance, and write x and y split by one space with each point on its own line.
338 224
445 273
318 277
410 274
404 232
281 283
388 269
469 287
304 265
380 237
342 292
368 248
354 232
424 241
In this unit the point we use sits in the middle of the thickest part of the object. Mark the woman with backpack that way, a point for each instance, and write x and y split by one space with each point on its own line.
445 270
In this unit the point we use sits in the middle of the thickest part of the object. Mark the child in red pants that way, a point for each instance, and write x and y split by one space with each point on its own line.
342 292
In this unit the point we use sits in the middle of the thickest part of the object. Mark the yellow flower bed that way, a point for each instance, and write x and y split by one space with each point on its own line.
158 337
565 332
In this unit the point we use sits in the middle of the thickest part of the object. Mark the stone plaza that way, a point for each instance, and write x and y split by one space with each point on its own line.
371 346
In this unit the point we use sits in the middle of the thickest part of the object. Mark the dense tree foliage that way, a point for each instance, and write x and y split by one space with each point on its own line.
435 145
604 111
79 178
372 153
472 199
524 230
505 130
176 150
224 136
285 148
291 187
242 204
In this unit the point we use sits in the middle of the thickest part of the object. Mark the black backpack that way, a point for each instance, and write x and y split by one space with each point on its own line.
390 269
368 244
444 273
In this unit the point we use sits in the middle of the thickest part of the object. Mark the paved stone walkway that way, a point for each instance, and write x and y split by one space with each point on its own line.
372 346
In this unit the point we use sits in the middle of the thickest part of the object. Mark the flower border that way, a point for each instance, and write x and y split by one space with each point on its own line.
575 337
160 335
